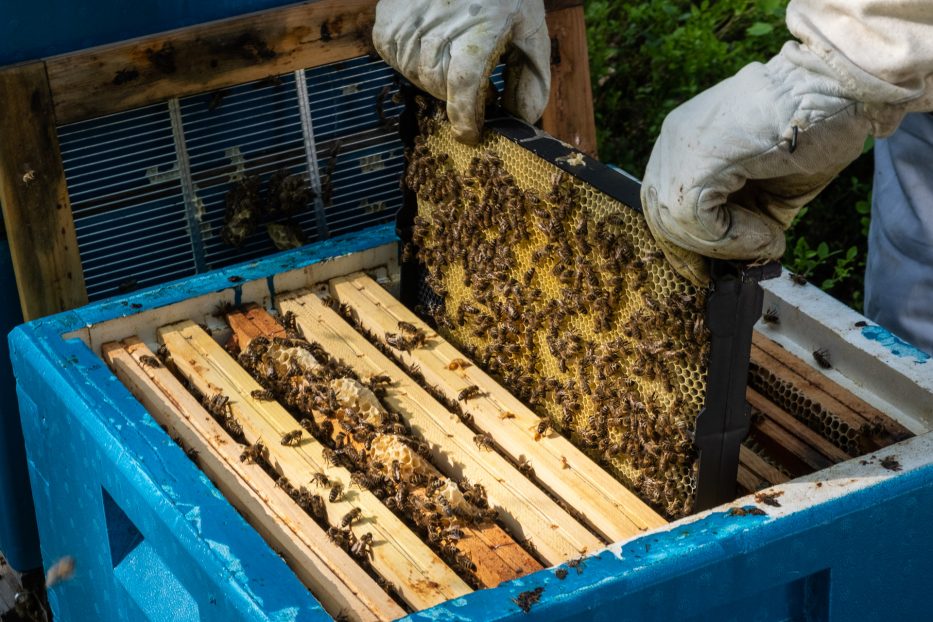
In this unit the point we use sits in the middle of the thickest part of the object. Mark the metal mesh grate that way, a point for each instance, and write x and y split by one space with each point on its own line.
148 186
127 201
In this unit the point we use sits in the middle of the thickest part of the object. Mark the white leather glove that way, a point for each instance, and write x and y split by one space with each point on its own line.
733 166
450 47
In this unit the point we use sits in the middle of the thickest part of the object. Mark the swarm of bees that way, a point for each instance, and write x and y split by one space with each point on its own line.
366 438
561 293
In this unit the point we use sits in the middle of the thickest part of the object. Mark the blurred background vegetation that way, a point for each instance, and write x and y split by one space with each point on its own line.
647 57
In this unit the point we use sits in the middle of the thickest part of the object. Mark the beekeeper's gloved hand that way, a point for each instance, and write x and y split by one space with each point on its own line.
734 165
450 47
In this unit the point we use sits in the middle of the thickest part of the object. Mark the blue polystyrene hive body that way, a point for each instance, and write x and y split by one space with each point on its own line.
153 538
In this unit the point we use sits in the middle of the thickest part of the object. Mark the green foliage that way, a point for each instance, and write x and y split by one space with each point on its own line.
648 57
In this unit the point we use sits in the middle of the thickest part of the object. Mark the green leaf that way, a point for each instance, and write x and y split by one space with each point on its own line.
869 144
759 29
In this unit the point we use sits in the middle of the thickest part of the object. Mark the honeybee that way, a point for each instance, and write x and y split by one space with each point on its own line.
524 466
541 428
351 516
798 279
822 359
262 395
484 441
399 342
464 564
338 536
363 547
458 363
233 426
577 564
317 507
149 361
320 480
252 453
218 405
414 334
379 381
293 438
283 483
335 492
469 392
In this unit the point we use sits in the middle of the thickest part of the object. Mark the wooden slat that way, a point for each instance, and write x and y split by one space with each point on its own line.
251 323
757 465
36 208
797 428
788 450
209 56
817 387
569 115
330 573
523 507
215 55
497 556
611 509
421 578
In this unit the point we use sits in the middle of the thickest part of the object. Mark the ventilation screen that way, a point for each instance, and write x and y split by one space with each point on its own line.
149 187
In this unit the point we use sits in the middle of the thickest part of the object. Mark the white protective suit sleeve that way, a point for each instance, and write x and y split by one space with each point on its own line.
734 165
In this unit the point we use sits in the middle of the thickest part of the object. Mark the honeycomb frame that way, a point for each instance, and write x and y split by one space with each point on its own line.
537 262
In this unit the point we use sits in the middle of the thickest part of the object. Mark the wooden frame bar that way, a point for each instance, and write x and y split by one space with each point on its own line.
760 468
36 208
420 577
496 555
523 507
569 115
336 580
611 509
841 403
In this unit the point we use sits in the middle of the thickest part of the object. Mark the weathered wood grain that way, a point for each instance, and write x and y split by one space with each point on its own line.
36 209
569 115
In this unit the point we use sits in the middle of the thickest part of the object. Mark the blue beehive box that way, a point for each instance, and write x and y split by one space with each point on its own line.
154 539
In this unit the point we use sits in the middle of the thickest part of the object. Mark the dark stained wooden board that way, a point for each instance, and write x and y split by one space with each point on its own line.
36 209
